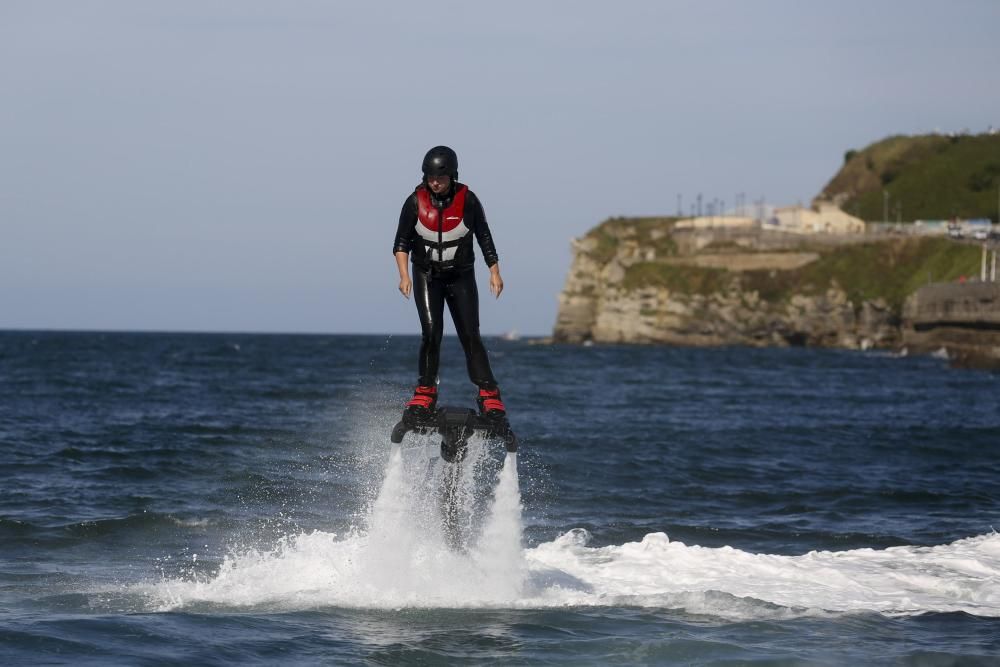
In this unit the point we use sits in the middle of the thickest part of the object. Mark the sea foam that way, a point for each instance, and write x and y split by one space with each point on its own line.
962 576
404 559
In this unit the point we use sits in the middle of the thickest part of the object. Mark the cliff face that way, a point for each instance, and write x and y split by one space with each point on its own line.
737 317
641 282
595 305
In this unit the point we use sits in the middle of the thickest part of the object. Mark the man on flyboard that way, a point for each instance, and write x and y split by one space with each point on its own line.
436 228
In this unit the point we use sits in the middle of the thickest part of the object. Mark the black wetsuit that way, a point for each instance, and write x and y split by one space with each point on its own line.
444 272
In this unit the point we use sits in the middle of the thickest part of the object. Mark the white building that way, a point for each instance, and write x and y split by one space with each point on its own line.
826 218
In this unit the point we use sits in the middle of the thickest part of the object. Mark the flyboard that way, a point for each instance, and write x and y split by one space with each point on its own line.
455 426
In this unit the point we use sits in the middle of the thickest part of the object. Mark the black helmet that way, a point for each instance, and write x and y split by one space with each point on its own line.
441 161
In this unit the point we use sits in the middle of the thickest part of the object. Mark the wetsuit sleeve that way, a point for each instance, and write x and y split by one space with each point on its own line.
474 209
407 226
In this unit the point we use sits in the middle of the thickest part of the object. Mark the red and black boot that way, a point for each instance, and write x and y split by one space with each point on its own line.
490 404
424 400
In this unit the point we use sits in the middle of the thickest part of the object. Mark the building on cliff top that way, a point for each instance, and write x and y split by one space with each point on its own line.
826 218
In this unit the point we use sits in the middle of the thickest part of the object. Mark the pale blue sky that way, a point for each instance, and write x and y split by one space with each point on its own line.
240 165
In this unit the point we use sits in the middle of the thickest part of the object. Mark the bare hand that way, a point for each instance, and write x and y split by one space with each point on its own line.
496 284
405 285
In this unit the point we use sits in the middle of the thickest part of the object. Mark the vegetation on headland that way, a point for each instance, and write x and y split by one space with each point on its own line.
649 232
890 269
924 177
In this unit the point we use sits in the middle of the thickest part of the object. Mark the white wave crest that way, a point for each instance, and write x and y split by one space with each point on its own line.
962 576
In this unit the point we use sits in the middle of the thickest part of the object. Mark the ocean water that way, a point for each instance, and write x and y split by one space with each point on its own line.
229 499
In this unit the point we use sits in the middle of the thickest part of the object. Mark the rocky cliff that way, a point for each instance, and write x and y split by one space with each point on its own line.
647 281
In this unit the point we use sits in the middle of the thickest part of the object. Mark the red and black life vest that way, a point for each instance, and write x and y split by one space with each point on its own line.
441 229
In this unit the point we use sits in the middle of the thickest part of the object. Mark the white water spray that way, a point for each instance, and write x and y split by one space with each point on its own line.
404 559
499 548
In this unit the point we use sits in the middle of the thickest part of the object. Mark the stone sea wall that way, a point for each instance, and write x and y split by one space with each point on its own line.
962 319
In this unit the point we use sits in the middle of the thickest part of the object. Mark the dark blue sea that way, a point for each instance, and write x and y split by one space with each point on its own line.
227 499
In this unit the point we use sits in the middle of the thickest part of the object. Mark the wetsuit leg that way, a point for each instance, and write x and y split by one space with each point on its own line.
462 296
428 293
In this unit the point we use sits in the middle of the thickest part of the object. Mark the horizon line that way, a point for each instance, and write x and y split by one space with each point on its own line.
224 332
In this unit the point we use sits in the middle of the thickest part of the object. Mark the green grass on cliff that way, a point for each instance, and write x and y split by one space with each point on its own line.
888 269
683 279
652 232
928 177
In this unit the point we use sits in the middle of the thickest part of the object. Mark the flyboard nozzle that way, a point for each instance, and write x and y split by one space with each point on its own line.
456 428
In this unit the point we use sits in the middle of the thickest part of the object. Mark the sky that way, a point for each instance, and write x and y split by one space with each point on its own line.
239 165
